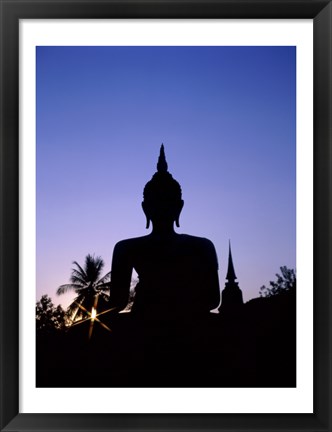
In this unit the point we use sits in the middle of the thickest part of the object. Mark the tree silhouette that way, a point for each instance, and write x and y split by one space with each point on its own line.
48 317
89 286
286 282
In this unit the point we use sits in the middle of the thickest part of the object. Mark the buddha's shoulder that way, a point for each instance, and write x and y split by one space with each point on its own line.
193 240
185 240
131 242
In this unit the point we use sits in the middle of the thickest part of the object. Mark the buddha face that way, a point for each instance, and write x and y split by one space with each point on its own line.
162 211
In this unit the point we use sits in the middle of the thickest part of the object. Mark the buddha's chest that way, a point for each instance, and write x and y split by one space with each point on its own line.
173 261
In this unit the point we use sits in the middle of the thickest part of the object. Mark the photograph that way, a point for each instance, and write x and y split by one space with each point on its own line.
166 216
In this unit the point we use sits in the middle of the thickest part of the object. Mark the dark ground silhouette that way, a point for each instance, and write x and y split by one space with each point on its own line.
253 346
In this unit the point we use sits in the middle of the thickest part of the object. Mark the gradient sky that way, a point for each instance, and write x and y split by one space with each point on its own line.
226 116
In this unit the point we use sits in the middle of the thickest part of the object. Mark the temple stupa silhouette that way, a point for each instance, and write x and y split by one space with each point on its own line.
231 295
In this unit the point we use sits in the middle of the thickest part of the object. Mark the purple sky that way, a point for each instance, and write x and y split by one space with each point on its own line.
226 116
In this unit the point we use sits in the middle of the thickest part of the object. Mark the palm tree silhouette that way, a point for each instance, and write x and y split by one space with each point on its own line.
89 286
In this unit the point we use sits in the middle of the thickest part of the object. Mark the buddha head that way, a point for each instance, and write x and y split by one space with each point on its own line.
162 198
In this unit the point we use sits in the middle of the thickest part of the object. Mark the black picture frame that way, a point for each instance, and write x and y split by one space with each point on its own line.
14 10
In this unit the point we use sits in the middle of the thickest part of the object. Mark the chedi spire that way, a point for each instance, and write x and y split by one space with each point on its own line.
231 276
231 295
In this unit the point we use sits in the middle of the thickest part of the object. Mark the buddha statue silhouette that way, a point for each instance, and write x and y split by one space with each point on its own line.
177 273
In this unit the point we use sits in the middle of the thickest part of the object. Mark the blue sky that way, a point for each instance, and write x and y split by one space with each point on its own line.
227 118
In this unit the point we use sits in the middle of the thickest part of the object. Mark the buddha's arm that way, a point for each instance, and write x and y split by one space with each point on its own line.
211 277
120 276
213 299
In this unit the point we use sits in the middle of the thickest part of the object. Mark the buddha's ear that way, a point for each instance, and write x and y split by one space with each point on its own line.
180 207
148 220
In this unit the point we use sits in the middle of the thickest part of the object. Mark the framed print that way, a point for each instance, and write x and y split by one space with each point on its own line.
211 116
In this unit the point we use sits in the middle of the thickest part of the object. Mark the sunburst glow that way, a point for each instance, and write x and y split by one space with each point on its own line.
93 313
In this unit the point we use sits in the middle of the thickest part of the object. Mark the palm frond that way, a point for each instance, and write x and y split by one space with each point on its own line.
67 287
104 279
104 296
84 290
104 288
71 309
105 285
77 277
93 267
74 309
83 273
